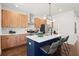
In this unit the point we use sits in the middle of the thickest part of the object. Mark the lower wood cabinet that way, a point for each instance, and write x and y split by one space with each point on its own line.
8 41
3 42
14 45
21 39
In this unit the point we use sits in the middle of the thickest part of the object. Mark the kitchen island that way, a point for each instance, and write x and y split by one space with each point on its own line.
34 43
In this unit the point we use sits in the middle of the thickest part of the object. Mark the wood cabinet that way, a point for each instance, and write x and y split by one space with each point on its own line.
11 41
8 41
14 44
3 42
21 39
23 21
14 19
38 22
6 18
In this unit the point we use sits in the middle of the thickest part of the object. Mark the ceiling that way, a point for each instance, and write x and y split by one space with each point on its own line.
41 9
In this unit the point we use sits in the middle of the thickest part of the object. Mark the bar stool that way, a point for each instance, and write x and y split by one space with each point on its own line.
65 48
51 49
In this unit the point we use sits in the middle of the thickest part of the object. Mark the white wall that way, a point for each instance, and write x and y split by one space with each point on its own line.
65 24
77 17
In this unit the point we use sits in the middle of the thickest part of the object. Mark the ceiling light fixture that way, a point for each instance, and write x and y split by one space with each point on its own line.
17 6
60 10
49 15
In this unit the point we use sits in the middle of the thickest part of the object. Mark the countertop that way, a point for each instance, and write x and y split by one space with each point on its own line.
42 39
2 34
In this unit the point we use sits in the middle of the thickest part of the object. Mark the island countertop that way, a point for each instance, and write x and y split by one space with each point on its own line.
42 39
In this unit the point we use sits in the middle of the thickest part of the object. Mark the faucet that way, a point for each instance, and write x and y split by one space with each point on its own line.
51 27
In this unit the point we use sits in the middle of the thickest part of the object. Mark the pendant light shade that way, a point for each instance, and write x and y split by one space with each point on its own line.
31 22
49 17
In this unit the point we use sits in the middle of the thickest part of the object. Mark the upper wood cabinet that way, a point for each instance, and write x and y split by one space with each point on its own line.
14 19
23 21
38 22
5 18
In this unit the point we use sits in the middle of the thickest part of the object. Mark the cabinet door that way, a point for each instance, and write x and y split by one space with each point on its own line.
11 42
10 18
21 40
8 41
23 21
30 47
14 19
4 42
6 18
19 20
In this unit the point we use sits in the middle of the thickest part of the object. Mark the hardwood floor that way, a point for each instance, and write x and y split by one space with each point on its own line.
16 51
73 50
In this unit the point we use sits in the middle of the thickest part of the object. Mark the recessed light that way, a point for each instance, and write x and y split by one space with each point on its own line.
17 6
59 10
54 20
44 17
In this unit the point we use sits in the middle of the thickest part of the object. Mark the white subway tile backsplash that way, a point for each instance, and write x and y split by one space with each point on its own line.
17 30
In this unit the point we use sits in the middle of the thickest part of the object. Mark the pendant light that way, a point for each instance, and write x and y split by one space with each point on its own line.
49 17
31 22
